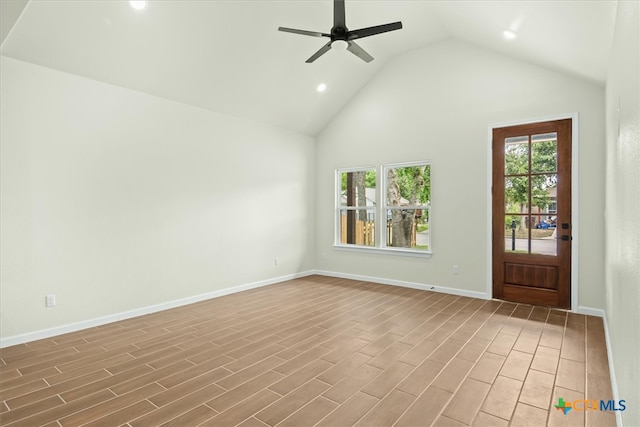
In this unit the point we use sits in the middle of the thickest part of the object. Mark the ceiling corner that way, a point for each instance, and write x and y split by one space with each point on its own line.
10 12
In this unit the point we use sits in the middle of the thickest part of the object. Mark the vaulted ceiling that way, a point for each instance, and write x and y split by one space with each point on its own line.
228 57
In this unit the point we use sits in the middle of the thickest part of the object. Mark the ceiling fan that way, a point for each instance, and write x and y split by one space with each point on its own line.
341 36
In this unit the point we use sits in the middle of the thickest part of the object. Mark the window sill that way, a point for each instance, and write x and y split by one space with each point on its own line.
385 251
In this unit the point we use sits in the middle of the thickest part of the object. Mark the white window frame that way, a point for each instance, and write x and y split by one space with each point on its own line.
380 214
339 208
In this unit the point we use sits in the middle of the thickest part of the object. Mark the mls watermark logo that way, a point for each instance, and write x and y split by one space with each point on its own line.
589 405
563 406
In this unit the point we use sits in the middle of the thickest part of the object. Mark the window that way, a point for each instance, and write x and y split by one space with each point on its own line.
407 204
400 222
357 207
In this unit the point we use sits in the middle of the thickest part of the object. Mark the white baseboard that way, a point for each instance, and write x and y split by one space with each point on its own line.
98 321
90 323
598 312
404 284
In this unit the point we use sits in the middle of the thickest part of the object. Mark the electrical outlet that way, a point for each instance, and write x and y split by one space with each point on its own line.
50 300
456 269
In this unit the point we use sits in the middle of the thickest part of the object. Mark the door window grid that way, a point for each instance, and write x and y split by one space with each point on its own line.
530 172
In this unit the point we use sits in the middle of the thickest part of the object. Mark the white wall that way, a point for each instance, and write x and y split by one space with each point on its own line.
623 208
115 200
437 104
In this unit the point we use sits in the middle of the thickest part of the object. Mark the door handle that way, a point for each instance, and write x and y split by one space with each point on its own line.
565 238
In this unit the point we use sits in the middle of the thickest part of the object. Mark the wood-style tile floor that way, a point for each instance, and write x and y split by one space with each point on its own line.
315 351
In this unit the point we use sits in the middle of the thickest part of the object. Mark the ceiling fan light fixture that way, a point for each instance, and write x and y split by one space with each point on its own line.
339 45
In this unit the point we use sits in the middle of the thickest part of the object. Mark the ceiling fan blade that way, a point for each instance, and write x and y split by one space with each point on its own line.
324 49
359 52
372 31
303 32
338 14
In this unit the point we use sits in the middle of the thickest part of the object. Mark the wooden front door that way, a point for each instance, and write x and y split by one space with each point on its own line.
531 225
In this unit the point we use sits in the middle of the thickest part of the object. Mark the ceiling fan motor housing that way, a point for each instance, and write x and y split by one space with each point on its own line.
339 33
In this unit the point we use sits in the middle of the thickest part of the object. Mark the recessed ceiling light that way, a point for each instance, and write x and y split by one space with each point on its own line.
321 87
509 35
138 4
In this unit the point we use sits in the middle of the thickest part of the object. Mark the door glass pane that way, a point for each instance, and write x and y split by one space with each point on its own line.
516 194
544 242
516 234
543 194
516 155
543 197
544 153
